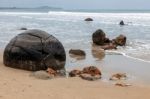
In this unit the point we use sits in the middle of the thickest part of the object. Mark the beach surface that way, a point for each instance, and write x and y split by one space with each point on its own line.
18 84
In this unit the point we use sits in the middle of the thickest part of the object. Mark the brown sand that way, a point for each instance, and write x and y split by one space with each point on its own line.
17 84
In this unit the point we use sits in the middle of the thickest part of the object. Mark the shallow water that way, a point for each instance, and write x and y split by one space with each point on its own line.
74 33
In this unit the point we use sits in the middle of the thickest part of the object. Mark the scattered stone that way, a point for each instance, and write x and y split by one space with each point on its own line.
99 37
121 22
23 28
77 52
42 75
120 40
92 70
34 50
88 19
90 77
122 84
51 71
61 73
118 76
74 73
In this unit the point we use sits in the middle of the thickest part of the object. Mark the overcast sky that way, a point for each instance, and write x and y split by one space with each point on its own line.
80 4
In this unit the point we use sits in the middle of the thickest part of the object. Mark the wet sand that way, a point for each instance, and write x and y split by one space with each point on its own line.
16 84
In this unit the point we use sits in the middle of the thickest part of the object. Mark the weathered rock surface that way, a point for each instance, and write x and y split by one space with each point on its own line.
92 70
75 73
77 52
90 77
99 37
120 40
34 50
88 19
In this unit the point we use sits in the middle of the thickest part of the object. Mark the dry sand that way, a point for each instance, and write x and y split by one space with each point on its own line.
17 84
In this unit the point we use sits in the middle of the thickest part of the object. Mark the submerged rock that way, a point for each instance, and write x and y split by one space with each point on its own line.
77 52
118 76
34 50
88 19
120 40
23 28
99 37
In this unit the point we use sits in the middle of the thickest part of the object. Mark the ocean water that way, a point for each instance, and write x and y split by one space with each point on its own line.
73 32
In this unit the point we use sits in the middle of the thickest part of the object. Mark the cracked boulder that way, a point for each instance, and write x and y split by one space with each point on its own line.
34 50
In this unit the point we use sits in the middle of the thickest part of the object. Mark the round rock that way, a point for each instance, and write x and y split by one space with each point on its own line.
34 50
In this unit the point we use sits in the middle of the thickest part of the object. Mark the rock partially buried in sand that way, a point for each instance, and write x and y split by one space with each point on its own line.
34 50
122 84
74 73
118 76
90 77
88 19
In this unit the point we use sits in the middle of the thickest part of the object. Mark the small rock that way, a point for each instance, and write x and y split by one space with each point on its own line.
23 28
51 71
74 73
122 84
120 40
121 22
98 37
92 70
88 19
118 76
89 77
42 75
77 52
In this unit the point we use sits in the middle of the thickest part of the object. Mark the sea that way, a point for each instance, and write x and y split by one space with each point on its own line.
69 27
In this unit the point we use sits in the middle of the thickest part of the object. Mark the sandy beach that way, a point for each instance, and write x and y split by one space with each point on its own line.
16 84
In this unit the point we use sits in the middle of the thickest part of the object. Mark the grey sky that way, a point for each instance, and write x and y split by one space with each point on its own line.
80 4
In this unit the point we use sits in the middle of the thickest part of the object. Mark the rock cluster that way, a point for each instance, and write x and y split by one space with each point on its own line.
90 73
99 38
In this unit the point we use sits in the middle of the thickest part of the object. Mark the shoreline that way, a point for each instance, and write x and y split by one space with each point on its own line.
17 83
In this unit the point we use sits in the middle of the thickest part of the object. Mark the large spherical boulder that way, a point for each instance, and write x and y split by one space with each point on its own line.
99 37
34 50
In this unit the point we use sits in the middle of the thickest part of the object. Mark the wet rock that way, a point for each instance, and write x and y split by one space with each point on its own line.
120 40
51 71
118 76
42 75
92 70
122 84
74 73
109 46
23 28
34 50
121 22
98 52
90 77
88 19
98 37
77 52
